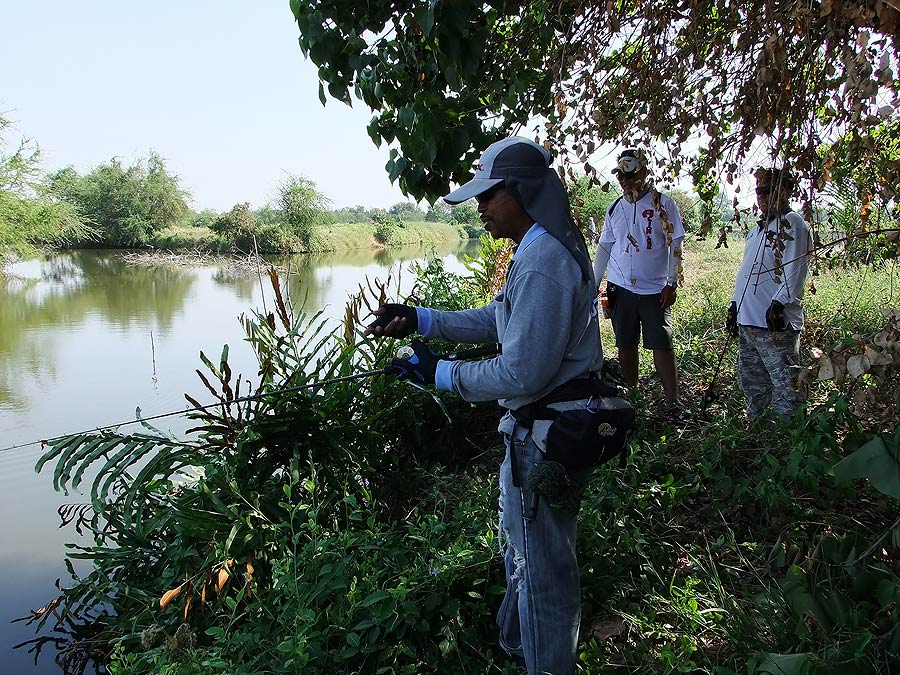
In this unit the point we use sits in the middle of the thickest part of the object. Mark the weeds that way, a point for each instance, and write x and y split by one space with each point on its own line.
352 528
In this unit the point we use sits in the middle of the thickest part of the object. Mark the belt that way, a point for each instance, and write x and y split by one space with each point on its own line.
573 390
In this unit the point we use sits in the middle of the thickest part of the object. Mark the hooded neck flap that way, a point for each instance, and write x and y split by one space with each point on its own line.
541 193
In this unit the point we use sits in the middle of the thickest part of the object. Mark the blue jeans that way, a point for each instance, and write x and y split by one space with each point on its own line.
541 611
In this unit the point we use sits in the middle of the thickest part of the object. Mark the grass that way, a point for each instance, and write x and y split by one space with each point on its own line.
335 237
728 545
346 237
424 233
185 237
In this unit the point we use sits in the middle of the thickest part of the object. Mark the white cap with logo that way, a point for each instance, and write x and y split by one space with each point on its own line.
630 160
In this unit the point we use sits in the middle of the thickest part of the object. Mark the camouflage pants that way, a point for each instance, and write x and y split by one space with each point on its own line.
768 363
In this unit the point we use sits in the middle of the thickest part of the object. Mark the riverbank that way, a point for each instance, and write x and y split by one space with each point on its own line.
336 237
85 338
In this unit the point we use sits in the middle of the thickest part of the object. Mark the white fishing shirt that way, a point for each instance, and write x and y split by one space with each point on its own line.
756 286
633 245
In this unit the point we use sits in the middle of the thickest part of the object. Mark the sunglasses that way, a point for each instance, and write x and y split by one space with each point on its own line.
489 194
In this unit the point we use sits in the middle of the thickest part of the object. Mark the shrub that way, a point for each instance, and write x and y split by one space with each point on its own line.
301 206
385 225
439 212
288 547
127 204
351 214
31 213
466 213
472 231
204 218
406 212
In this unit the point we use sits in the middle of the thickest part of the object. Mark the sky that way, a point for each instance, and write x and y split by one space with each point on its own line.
219 88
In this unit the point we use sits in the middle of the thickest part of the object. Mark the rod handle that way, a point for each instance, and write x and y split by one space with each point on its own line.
474 353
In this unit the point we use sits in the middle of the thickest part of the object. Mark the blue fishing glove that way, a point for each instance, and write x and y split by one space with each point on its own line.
420 367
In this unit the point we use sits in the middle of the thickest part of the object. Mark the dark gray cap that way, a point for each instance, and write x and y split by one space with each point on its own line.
510 154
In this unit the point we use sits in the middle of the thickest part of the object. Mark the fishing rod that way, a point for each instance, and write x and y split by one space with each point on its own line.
405 352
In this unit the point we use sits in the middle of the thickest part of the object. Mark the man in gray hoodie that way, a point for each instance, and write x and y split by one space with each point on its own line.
545 316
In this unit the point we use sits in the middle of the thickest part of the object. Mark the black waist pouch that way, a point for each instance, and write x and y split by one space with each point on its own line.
582 438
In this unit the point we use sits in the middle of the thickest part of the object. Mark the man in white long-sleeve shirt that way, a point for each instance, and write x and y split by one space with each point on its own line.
766 310
641 245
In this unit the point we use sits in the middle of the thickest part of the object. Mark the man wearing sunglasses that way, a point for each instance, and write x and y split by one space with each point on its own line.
545 316
766 311
640 244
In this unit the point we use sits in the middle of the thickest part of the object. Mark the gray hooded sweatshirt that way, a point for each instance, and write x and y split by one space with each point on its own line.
546 319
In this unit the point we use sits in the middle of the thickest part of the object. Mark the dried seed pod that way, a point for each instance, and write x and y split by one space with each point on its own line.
221 580
169 596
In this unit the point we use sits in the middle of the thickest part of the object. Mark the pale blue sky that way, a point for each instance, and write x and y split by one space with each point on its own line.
218 87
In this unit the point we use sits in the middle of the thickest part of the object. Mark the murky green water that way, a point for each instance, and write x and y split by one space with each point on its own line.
85 339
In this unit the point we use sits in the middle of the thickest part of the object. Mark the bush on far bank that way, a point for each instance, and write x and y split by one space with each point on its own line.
127 205
420 233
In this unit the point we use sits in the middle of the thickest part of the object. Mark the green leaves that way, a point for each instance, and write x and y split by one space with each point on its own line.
780 664
395 167
375 597
653 72
127 203
877 461
406 117
425 15
443 67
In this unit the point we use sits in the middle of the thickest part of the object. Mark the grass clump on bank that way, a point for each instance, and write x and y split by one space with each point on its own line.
351 528
331 237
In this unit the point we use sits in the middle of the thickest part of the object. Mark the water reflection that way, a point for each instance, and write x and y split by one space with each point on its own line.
73 290
89 315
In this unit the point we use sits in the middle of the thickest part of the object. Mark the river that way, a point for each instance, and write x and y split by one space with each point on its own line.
85 338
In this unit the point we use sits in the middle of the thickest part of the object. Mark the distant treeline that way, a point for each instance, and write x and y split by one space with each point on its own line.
142 204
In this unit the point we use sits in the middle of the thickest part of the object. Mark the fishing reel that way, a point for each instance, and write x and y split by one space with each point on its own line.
405 352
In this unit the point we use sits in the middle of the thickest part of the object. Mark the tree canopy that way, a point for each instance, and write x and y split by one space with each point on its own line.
749 80
31 214
126 203
301 205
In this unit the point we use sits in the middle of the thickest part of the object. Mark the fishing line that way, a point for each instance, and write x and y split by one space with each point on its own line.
242 399
403 353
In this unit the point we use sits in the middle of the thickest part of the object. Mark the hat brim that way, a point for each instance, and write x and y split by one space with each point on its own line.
473 188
